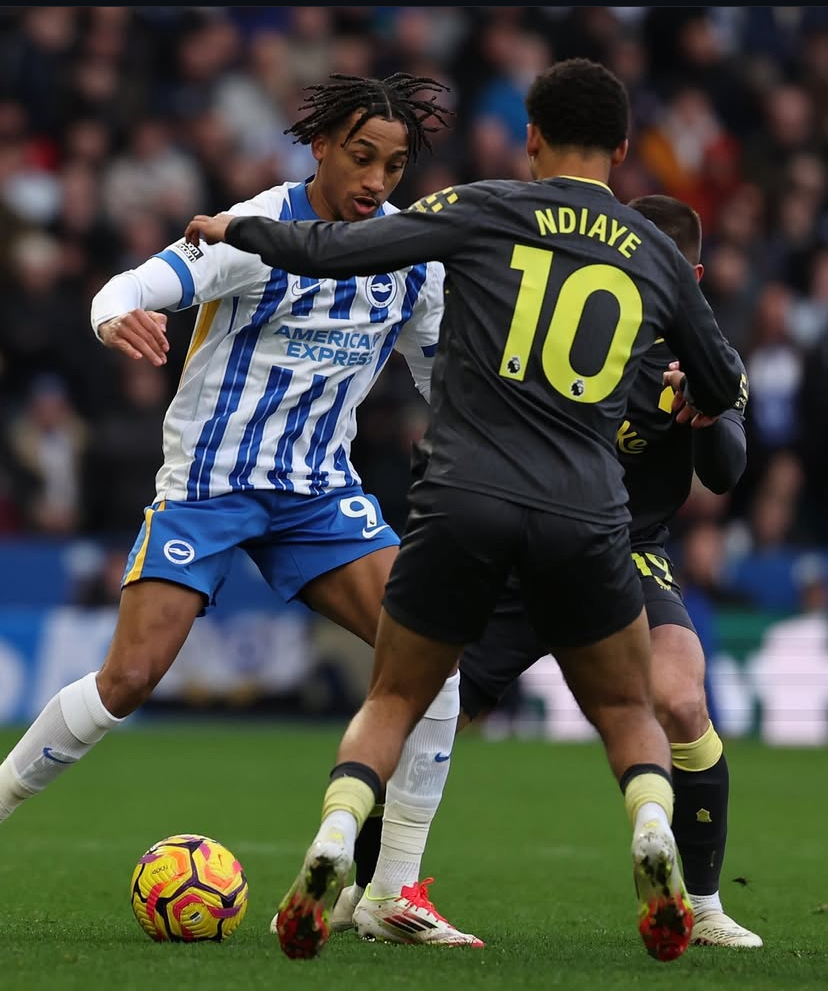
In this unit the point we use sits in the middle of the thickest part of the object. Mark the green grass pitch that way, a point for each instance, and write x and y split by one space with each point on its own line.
530 852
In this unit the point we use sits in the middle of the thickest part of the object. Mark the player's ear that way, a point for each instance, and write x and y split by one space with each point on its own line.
620 152
319 143
533 140
699 270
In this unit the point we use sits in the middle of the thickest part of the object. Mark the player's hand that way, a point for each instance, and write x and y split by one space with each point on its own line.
209 229
139 334
682 410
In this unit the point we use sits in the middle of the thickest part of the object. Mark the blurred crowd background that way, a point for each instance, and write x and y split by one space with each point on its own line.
117 124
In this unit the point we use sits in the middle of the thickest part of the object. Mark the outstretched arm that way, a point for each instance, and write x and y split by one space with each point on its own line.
337 249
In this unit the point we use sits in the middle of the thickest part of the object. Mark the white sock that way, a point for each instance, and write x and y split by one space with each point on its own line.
651 812
69 725
414 791
706 903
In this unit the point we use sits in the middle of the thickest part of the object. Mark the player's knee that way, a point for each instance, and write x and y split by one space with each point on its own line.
683 719
125 687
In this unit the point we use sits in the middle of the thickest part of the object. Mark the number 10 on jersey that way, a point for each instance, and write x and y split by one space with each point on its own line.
565 324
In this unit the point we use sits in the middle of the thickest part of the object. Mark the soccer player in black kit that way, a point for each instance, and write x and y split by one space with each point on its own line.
554 293
659 453
659 456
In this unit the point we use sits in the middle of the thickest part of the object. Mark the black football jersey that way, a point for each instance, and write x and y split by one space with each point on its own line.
657 453
554 293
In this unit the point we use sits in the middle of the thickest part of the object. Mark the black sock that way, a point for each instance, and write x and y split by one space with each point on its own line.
367 850
700 824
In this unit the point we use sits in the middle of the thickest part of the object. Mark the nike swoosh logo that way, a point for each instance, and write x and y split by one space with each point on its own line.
47 753
372 533
298 290
440 757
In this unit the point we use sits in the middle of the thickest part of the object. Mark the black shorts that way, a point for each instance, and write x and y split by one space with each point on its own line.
662 593
509 644
577 580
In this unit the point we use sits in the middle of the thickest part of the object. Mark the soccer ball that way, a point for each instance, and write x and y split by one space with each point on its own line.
188 888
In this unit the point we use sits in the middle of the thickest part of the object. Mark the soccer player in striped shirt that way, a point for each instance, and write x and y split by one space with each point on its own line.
257 438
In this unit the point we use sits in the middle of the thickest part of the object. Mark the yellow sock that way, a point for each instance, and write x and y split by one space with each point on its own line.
699 755
648 787
347 794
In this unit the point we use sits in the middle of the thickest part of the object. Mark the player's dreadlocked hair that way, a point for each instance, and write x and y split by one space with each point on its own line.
392 98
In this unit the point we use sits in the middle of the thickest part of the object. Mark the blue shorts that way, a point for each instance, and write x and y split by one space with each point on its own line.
291 538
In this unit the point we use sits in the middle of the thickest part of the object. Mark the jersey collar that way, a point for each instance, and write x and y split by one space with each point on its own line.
300 208
592 182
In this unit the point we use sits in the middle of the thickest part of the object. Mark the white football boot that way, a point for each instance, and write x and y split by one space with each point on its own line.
408 917
342 914
713 928
665 915
303 920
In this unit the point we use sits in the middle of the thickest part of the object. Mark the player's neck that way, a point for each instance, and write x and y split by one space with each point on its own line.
317 201
549 164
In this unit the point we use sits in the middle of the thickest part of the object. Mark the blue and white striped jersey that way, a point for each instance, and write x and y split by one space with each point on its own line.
278 363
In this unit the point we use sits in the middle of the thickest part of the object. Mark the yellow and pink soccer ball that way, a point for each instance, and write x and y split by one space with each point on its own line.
189 888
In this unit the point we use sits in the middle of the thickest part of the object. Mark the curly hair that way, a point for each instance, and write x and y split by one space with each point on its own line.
579 103
397 97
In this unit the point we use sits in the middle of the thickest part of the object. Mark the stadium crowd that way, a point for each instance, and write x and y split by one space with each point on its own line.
117 124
